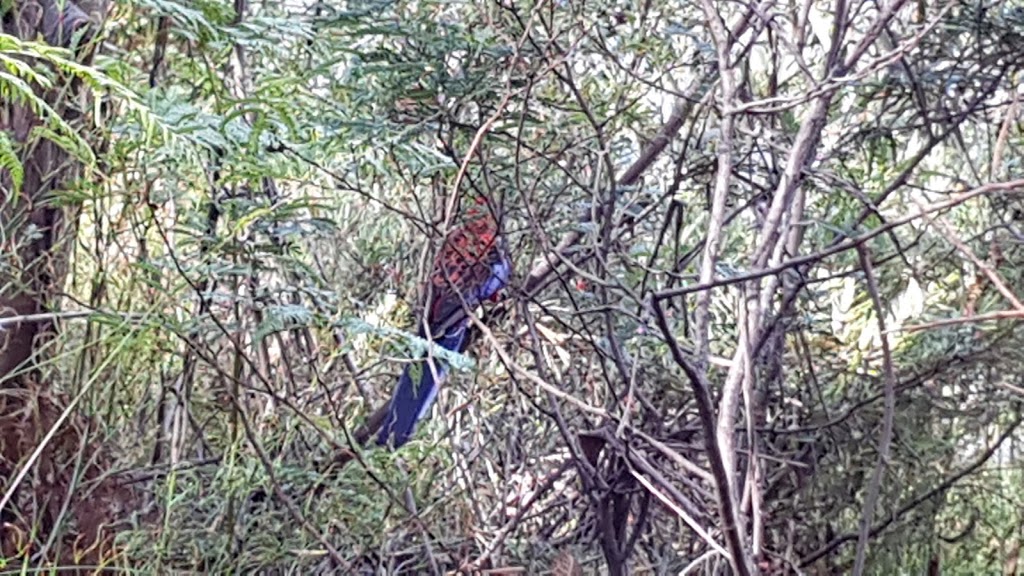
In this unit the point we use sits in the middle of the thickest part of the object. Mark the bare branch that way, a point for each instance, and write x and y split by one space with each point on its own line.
884 442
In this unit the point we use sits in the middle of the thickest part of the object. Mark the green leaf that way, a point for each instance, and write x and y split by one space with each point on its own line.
9 161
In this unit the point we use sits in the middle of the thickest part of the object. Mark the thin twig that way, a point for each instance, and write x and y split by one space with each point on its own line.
686 518
70 315
951 235
871 498
977 319
955 200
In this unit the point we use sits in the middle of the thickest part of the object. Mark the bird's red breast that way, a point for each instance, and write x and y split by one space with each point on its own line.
464 262
467 250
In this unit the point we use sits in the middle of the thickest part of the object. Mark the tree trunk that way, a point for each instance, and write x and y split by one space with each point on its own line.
36 238
46 489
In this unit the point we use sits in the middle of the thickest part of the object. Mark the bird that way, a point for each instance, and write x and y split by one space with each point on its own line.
472 266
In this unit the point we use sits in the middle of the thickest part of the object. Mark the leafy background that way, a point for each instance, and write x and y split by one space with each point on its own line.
263 187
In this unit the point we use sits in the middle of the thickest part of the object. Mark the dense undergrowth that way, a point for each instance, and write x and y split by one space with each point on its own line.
260 198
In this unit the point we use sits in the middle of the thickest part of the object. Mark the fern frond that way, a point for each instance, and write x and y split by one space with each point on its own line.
9 161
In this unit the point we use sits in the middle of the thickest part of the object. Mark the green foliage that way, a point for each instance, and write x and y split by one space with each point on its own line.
10 162
266 195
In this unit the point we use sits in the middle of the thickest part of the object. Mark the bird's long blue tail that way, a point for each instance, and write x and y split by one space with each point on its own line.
412 400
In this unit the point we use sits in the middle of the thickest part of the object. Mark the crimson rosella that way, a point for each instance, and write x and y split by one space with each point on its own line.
471 267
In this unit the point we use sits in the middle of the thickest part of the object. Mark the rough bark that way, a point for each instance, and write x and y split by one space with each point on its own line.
35 234
62 508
